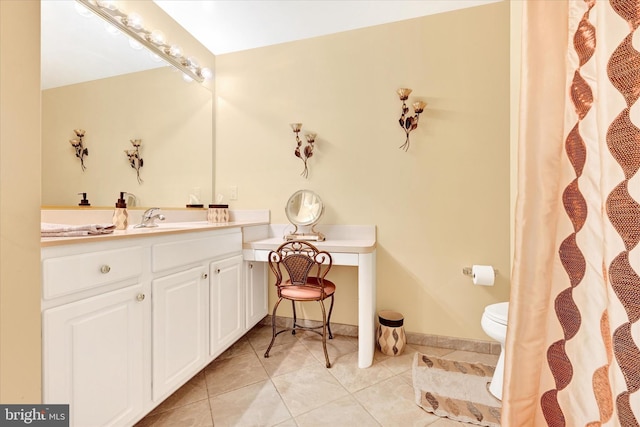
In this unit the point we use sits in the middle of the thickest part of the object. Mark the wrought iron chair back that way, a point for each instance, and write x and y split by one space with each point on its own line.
306 268
304 264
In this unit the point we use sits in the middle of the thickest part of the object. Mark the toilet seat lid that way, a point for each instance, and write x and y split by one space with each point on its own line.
498 312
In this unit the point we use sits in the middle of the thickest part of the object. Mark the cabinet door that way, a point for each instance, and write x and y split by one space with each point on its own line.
226 304
255 274
93 357
180 319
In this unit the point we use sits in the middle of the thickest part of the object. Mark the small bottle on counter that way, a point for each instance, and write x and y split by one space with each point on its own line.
84 201
120 214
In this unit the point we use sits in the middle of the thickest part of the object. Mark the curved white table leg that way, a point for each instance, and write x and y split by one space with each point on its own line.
366 308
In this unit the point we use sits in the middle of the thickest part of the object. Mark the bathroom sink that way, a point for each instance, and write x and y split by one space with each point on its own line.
166 226
191 224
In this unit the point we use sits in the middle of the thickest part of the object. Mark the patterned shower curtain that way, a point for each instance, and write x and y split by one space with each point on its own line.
572 350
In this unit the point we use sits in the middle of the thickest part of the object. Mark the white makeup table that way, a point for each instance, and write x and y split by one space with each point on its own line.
350 245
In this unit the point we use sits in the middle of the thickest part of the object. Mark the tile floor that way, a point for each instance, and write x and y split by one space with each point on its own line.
293 388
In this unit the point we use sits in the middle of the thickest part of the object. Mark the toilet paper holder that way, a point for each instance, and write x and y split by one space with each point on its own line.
468 271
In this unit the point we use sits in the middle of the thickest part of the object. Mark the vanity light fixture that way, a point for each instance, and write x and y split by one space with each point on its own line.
132 26
307 152
409 123
78 144
134 157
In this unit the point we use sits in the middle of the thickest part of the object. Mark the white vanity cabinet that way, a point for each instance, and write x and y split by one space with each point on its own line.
94 359
180 316
227 304
238 300
127 321
257 297
94 306
182 308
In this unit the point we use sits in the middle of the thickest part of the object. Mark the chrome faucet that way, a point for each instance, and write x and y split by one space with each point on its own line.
148 218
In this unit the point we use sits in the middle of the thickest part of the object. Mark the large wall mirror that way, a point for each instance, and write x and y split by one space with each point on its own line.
99 83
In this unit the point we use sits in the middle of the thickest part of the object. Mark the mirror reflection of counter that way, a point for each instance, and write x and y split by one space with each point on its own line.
349 245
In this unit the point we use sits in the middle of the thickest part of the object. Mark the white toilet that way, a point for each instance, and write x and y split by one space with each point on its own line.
494 324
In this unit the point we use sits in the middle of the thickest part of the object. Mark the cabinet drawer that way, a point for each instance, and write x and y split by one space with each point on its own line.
175 254
69 274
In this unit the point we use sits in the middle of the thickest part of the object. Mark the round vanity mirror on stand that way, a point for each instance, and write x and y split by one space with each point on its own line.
304 210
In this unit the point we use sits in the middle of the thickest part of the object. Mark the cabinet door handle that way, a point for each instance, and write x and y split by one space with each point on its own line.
218 271
250 266
105 269
205 275
140 297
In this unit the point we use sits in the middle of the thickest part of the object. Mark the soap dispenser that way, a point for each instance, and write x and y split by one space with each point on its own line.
120 215
84 201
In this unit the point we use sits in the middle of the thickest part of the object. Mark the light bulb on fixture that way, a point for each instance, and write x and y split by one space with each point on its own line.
111 29
206 73
408 122
303 153
154 41
155 57
134 21
83 11
192 63
135 44
107 4
174 51
156 37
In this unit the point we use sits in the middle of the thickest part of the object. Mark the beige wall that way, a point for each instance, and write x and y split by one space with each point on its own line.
441 206
19 202
173 118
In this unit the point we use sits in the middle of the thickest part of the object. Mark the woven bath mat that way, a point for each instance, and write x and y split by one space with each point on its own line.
456 390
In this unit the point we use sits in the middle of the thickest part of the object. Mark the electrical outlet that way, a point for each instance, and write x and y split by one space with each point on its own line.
234 193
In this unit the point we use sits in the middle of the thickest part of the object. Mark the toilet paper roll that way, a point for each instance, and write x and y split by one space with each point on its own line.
483 275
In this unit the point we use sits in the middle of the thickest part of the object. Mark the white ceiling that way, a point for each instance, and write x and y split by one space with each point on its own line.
235 25
77 48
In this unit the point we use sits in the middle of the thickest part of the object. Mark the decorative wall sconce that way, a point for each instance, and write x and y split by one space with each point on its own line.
78 144
132 26
134 157
307 152
409 123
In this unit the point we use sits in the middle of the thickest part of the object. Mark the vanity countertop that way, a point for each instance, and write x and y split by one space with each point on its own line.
178 222
339 238
329 245
162 229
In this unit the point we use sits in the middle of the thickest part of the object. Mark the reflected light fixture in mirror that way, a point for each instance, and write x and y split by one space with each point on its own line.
304 209
409 123
154 40
78 145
